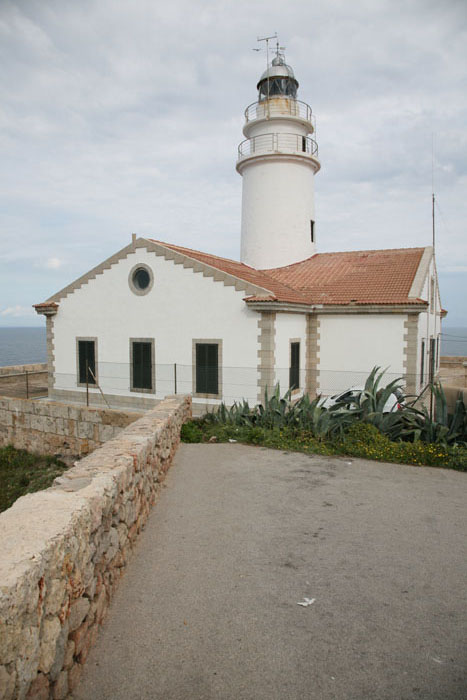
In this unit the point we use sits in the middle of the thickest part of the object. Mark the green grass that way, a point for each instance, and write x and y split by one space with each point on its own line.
359 440
22 472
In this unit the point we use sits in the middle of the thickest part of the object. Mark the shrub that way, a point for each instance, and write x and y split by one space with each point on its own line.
192 432
358 426
22 472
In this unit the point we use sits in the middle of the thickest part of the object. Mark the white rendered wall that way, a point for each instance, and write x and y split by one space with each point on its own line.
277 207
351 345
289 327
181 306
277 126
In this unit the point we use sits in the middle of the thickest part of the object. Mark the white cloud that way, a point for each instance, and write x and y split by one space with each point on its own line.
17 311
53 263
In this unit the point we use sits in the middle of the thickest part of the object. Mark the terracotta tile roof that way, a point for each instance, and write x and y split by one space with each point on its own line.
360 277
46 305
275 290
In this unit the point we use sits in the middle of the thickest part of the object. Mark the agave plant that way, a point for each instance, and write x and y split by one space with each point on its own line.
444 428
408 423
370 403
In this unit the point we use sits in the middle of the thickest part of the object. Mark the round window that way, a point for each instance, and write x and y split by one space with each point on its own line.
141 279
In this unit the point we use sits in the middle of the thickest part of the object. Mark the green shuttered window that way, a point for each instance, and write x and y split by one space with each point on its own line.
142 365
86 361
294 371
207 368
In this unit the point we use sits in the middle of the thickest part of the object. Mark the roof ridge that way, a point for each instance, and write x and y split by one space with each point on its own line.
374 250
344 252
174 246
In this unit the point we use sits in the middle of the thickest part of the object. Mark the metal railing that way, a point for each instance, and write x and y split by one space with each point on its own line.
112 382
28 384
235 383
278 143
275 107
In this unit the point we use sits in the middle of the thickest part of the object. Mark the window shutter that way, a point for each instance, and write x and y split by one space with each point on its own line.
294 372
86 359
142 365
207 368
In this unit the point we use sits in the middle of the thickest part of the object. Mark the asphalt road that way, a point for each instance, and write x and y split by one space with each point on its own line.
208 607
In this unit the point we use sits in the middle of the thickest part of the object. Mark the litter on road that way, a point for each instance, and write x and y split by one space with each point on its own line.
306 602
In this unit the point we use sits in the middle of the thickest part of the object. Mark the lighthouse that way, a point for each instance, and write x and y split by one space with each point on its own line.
278 161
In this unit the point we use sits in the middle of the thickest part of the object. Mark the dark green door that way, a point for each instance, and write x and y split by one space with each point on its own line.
207 368
142 366
86 361
294 371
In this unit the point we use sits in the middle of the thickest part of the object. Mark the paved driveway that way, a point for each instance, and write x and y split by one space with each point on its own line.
208 608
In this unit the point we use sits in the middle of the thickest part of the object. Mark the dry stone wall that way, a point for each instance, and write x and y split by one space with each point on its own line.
65 548
48 427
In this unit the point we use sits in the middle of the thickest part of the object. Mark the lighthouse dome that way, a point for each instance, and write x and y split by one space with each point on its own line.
277 80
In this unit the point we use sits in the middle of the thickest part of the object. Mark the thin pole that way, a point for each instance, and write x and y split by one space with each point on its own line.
99 387
27 384
175 377
87 383
266 39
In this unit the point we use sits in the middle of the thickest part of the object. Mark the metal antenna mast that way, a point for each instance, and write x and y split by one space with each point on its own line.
267 39
433 189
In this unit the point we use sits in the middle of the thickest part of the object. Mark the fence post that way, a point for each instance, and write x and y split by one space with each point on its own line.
27 384
175 377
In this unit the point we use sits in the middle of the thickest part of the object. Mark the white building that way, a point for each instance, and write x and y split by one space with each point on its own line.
156 318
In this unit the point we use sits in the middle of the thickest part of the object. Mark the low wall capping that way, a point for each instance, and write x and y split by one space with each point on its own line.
65 548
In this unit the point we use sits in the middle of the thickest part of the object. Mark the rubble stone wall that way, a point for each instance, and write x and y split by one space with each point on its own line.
48 427
65 548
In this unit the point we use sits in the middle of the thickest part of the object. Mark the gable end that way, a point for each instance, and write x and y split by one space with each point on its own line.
420 276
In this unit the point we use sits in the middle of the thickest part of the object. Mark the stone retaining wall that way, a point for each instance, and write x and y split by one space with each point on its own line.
50 428
453 371
65 548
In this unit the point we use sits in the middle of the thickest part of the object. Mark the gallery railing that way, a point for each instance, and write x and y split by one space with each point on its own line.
278 143
275 107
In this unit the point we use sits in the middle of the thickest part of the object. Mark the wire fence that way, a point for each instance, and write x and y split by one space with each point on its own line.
112 381
230 383
24 385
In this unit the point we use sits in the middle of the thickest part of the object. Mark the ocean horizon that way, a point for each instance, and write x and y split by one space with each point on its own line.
23 345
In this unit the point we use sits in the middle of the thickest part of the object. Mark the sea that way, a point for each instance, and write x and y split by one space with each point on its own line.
22 346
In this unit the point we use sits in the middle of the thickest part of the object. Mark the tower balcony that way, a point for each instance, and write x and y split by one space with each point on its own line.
265 144
276 107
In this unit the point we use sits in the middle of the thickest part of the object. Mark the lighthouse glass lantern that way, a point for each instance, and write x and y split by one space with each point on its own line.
277 80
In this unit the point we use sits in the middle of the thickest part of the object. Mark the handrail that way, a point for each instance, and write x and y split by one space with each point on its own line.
274 107
277 143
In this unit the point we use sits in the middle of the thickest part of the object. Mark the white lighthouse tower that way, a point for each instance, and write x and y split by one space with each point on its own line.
278 161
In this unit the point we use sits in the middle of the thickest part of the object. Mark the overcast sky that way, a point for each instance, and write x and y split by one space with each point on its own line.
121 116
